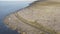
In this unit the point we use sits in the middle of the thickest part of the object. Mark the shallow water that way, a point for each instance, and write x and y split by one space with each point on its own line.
7 7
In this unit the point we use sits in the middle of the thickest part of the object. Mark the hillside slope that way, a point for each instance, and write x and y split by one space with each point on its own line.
38 18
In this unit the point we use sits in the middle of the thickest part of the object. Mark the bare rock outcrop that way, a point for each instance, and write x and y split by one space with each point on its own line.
38 18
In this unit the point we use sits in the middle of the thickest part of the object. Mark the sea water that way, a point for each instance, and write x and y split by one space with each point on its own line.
7 7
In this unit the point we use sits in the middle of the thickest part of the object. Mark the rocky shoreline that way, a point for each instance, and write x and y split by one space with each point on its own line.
38 18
